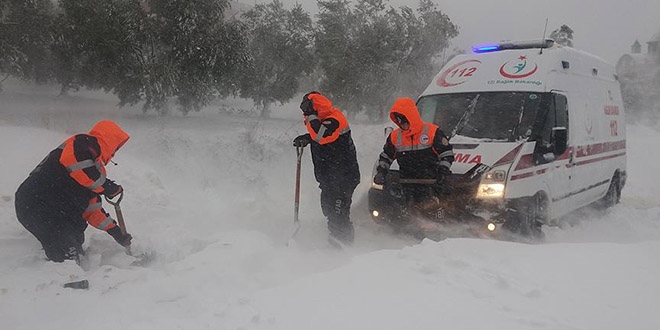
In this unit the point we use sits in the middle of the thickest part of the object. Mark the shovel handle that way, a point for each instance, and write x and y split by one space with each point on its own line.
418 181
116 203
299 152
120 215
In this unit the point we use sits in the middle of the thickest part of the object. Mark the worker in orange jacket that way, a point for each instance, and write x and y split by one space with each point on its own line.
62 195
421 149
335 163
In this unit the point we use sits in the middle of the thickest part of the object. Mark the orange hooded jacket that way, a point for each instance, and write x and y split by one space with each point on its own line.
422 150
86 165
325 111
420 135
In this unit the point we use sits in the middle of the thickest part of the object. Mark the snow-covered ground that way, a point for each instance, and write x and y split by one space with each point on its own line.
212 195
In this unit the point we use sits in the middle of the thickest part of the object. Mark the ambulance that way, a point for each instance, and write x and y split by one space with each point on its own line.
538 131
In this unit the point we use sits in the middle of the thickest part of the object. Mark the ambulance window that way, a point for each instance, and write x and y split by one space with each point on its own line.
444 110
427 108
561 109
496 116
545 120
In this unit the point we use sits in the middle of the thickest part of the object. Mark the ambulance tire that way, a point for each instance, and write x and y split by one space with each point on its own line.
613 195
529 216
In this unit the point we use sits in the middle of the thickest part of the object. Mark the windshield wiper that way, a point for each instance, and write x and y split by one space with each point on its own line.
516 127
465 117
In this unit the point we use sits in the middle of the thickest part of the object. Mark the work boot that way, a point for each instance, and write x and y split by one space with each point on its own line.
341 233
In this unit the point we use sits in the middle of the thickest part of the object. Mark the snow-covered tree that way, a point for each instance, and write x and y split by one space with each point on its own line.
280 46
372 53
25 38
427 38
563 36
191 52
100 44
151 51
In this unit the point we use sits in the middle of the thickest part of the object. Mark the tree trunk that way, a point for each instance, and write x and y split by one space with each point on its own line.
265 110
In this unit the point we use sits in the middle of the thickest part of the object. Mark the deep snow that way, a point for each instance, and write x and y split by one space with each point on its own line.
212 194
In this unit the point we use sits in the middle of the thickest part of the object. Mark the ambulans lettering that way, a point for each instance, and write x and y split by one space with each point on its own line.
467 158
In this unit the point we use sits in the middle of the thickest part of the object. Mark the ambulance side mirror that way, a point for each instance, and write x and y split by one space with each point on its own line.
559 140
388 130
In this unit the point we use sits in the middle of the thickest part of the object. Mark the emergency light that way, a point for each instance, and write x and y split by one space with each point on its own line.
486 48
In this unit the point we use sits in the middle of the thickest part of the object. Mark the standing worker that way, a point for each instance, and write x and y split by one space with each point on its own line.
63 193
335 163
421 149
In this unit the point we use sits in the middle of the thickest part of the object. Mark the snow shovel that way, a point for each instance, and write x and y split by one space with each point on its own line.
296 204
141 259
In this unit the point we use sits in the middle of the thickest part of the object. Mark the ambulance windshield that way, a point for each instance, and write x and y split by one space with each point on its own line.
491 116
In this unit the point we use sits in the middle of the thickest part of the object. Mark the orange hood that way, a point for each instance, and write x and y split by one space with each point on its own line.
110 137
406 107
322 105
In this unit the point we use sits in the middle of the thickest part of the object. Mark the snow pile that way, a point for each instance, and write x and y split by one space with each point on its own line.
212 195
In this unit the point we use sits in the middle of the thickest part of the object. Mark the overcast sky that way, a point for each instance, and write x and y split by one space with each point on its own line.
606 28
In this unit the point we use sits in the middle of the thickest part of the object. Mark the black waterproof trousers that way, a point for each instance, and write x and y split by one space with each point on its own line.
60 232
336 206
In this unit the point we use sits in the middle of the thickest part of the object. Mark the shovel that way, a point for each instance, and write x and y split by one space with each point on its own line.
296 204
120 217
142 258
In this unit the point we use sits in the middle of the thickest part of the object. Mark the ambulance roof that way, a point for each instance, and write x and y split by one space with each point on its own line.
516 66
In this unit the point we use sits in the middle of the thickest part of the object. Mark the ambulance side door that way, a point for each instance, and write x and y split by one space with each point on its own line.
562 168
554 152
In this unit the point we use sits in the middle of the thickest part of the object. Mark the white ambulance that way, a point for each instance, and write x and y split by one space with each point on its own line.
537 127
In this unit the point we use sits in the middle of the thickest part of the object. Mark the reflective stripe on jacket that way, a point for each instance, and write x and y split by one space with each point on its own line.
96 216
423 140
326 135
85 166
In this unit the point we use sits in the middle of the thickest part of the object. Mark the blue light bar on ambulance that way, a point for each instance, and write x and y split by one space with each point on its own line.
547 43
485 48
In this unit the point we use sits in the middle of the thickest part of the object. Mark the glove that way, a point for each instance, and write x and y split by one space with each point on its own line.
111 189
379 178
302 140
443 172
307 106
123 240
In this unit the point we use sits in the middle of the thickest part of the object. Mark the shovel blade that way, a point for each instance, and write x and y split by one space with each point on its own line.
296 227
143 259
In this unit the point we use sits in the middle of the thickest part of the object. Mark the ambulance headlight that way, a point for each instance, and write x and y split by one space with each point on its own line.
490 190
493 183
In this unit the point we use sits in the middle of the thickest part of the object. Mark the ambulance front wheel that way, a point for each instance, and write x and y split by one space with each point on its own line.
526 216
